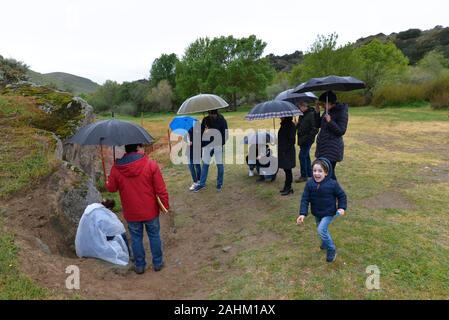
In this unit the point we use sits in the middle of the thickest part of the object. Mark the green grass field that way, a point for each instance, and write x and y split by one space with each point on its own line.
396 176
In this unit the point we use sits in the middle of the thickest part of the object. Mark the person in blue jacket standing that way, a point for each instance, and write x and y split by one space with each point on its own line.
327 200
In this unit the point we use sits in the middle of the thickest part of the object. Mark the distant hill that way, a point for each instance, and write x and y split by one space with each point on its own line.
286 62
64 81
415 43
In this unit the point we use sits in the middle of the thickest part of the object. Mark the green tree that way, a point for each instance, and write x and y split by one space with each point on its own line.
12 71
164 68
225 66
325 58
161 97
434 62
106 97
381 61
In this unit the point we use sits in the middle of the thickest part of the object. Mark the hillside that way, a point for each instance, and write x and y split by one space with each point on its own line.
415 43
64 81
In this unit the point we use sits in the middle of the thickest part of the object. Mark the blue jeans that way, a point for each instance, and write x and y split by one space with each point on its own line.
304 160
195 171
207 157
323 231
153 230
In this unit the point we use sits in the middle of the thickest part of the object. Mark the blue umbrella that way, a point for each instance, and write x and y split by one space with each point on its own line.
182 124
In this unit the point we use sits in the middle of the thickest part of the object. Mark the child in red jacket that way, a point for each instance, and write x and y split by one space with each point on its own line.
139 182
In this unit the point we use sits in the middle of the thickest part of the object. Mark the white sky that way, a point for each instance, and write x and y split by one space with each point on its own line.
118 40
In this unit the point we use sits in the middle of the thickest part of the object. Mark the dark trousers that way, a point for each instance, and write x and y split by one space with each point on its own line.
334 164
288 179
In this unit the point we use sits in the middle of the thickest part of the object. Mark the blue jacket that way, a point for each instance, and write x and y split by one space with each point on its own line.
323 196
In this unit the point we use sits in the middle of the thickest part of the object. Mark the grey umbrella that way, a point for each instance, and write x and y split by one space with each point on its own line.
112 133
293 97
202 103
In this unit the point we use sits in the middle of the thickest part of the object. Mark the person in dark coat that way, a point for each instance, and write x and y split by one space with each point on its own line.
286 152
333 125
306 132
212 148
327 201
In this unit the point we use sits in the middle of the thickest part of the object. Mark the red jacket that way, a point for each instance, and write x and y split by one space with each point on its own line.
138 182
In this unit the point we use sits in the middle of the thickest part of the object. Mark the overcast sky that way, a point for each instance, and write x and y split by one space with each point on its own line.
119 40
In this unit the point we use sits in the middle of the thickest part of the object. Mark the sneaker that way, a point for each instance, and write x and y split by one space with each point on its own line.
192 187
250 173
331 255
198 187
158 268
219 188
139 269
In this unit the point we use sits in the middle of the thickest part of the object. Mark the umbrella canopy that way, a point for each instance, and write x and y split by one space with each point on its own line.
293 97
273 109
260 137
182 124
112 133
336 83
202 103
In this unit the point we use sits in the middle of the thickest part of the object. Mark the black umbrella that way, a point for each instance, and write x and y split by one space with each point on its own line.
112 133
336 83
293 97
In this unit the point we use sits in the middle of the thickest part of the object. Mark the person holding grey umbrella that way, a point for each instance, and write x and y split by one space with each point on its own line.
333 124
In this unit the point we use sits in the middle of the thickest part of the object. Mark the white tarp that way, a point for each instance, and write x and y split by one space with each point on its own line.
95 225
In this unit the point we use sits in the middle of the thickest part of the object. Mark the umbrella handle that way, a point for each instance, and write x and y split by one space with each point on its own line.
169 142
104 166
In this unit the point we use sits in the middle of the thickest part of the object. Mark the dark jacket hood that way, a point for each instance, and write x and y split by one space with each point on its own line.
131 164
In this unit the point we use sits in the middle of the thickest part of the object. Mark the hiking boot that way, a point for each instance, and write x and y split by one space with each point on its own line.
287 192
322 247
158 268
331 255
139 269
301 179
219 188
198 188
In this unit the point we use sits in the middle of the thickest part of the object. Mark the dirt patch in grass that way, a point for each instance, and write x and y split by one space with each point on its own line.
198 255
388 200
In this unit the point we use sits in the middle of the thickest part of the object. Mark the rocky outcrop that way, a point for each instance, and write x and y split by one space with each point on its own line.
71 185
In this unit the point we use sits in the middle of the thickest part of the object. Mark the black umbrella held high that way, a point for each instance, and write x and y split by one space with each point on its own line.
112 133
335 83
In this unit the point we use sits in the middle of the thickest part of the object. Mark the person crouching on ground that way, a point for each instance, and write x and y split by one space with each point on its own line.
139 182
323 192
